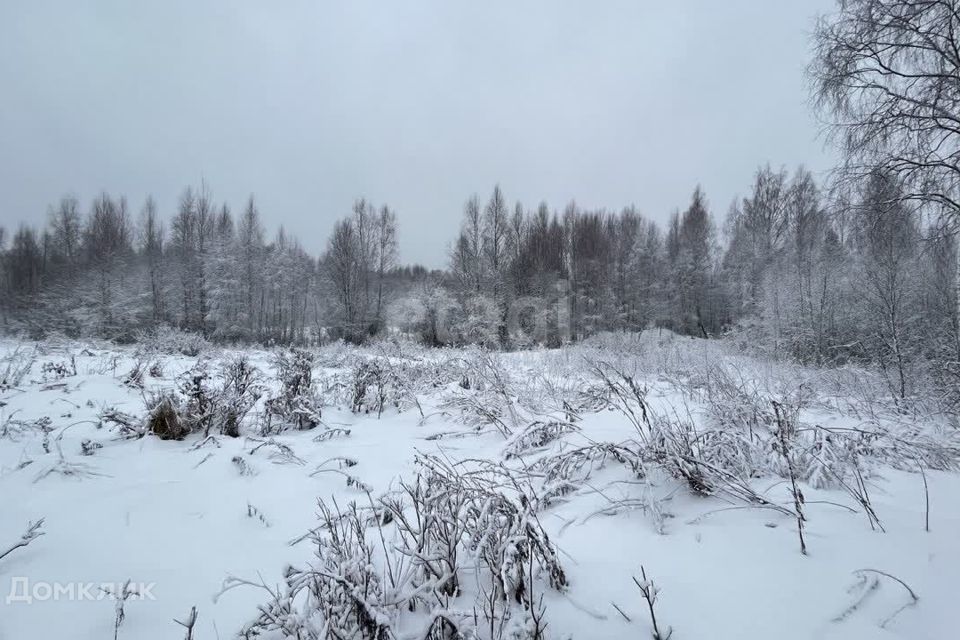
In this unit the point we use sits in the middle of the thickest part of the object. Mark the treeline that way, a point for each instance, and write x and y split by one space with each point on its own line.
861 278
112 273
858 277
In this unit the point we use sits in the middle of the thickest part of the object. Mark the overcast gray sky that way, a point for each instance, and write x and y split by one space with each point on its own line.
310 104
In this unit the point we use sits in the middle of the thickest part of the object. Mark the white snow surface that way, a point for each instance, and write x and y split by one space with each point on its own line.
163 513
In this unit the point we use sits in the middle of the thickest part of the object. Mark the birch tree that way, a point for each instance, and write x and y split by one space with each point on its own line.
886 77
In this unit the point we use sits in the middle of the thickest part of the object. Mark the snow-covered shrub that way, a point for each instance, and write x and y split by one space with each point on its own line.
15 366
381 382
486 397
297 405
239 393
394 377
203 402
743 414
452 521
335 354
476 321
427 314
370 388
438 318
733 401
536 436
134 377
199 407
278 452
52 371
481 513
740 441
164 417
710 460
625 395
14 429
568 469
475 411
341 595
169 340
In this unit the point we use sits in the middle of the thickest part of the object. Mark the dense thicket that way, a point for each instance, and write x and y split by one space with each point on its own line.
865 279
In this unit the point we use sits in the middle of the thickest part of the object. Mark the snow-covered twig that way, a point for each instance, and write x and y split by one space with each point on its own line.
121 597
650 593
32 533
189 623
914 598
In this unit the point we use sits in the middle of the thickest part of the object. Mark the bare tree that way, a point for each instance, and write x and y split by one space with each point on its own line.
66 228
461 263
205 226
889 237
107 240
694 265
24 264
251 252
344 268
183 237
468 254
886 74
496 234
495 227
386 236
365 234
624 236
807 227
151 246
192 234
515 241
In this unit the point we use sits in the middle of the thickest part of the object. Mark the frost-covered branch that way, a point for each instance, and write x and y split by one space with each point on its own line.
32 533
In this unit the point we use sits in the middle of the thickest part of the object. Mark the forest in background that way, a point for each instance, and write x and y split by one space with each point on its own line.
859 277
864 269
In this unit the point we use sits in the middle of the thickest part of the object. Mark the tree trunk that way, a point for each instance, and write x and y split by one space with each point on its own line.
956 292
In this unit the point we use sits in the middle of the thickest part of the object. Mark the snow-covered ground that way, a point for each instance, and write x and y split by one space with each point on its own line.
697 490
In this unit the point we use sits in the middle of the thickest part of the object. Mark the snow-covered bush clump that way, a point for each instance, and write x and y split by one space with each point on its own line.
297 405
